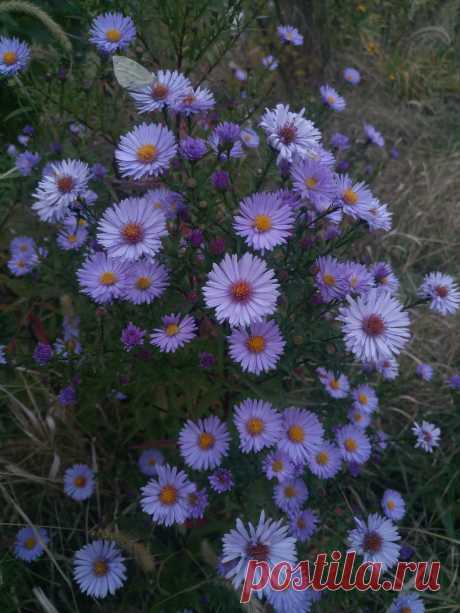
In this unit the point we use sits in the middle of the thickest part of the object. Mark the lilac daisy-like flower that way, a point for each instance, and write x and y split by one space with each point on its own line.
197 501
132 336
3 359
289 133
60 186
146 281
99 568
352 76
267 541
290 495
72 236
424 371
112 32
355 198
453 382
290 599
332 98
376 540
259 349
303 524
358 278
393 505
270 62
103 278
132 228
330 278
20 265
301 435
166 497
409 602
43 353
378 217
264 221
166 87
258 425
427 434
326 461
204 444
337 386
365 397
23 245
375 326
249 138
171 203
79 482
358 416
442 291
28 545
26 161
353 444
388 368
384 277
175 332
373 135
221 480
14 56
193 101
149 461
314 181
146 151
193 149
241 290
278 465
340 141
290 35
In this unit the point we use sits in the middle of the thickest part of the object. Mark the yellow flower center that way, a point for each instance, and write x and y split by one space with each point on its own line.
147 153
335 384
30 542
113 35
255 426
206 440
330 99
241 291
277 466
391 504
79 481
262 223
9 58
256 344
100 568
357 416
363 398
322 458
108 278
350 196
351 445
168 495
132 233
172 329
296 434
289 491
72 238
311 182
329 279
143 283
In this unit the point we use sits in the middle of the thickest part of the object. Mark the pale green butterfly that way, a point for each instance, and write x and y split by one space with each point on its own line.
130 74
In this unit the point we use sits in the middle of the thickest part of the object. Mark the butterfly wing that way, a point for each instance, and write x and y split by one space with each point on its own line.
130 74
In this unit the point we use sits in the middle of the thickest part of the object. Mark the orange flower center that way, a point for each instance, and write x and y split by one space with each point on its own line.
147 153
159 91
296 434
65 184
108 278
351 445
189 99
258 551
72 238
330 99
277 466
143 283
168 495
256 344
113 35
172 329
322 458
372 542
241 291
374 325
100 568
9 58
287 134
289 491
335 384
79 481
391 504
350 196
329 279
206 441
255 426
262 223
363 398
441 291
132 233
300 523
30 542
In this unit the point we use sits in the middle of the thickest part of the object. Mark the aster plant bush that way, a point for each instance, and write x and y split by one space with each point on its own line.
210 352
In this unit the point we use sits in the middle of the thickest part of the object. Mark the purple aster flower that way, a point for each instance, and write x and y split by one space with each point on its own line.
99 568
289 133
303 524
3 359
388 368
12 150
393 505
358 278
171 203
221 480
378 216
301 434
355 198
79 482
68 347
226 134
193 101
289 495
14 56
258 425
373 136
270 62
382 440
67 397
132 336
375 539
43 353
394 153
315 181
220 180
290 599
290 35
241 290
352 76
442 291
353 444
249 138
278 465
149 461
204 444
409 602
340 141
427 434
197 501
365 397
98 171
358 416
267 541
193 149
454 382
424 371
259 349
332 98
112 32
165 89
23 245
146 280
337 386
60 186
264 221
26 161
103 278
72 236
384 277
330 278
132 228
375 326
146 151
326 462
175 332
206 360
29 543
20 265
166 497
